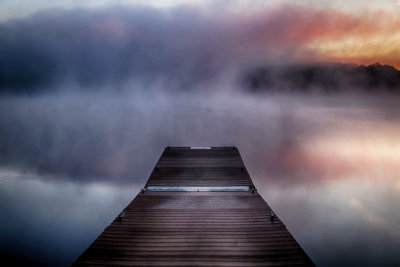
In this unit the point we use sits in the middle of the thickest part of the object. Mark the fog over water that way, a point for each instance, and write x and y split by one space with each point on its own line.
328 166
89 98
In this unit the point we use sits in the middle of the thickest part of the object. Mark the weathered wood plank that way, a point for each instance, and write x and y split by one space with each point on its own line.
196 228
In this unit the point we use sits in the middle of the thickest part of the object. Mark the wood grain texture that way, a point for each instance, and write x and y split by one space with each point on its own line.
196 228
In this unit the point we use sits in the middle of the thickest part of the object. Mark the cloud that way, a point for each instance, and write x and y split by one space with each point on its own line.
184 45
107 47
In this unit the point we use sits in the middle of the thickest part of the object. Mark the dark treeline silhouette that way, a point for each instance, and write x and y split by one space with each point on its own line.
325 78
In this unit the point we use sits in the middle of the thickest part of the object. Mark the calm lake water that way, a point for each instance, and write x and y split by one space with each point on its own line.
329 167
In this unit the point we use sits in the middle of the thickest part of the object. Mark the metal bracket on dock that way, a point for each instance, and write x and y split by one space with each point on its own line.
199 189
272 215
121 216
252 189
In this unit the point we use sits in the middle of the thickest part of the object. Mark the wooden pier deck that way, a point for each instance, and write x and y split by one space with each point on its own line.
198 208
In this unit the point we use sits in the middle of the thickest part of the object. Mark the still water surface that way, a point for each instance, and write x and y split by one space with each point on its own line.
329 168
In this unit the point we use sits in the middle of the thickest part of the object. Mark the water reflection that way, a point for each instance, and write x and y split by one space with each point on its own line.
347 222
329 168
50 222
345 209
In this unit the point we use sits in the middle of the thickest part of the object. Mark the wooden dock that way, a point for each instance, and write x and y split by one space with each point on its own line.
198 208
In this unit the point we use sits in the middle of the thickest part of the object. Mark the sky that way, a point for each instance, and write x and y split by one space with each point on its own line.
238 33
20 8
